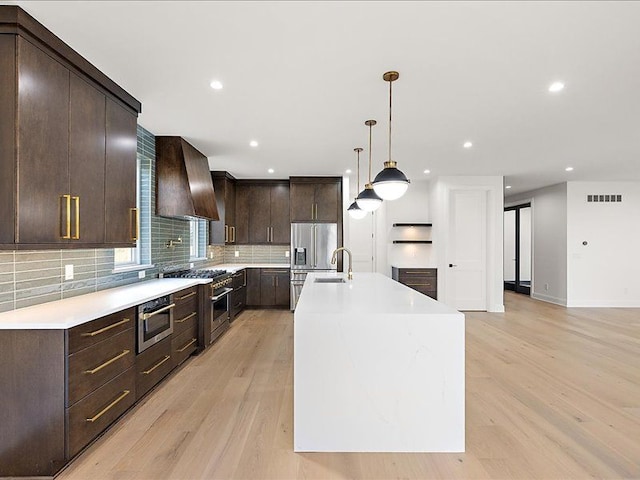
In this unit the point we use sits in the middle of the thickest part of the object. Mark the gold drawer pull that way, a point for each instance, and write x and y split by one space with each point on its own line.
107 363
107 328
193 340
418 284
191 315
187 295
147 372
419 272
272 272
108 407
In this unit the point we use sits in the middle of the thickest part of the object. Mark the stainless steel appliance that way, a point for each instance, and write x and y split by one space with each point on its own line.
219 295
311 247
155 321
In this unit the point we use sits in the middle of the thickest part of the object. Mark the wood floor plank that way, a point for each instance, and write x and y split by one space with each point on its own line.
551 392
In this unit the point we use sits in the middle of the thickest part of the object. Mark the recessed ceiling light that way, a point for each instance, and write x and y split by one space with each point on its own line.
467 144
569 169
253 143
508 186
271 170
555 87
216 84
347 171
427 172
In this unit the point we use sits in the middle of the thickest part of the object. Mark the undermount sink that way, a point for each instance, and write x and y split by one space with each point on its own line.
329 280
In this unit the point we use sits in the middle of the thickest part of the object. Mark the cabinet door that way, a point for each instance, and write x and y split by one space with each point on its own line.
267 289
8 127
253 286
43 146
230 202
217 228
260 214
86 160
283 291
280 219
302 202
242 214
120 179
327 199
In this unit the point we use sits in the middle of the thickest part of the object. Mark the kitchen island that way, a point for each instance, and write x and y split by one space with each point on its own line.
378 367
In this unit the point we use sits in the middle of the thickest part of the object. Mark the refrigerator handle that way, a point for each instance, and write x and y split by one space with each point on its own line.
315 246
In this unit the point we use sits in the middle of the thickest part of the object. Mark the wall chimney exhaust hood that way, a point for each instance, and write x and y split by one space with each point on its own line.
183 181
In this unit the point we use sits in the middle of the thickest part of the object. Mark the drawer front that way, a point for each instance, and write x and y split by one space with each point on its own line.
239 279
429 292
186 303
408 273
183 345
89 417
185 321
87 334
92 367
421 283
153 365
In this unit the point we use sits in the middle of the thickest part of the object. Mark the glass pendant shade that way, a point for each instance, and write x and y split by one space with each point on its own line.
368 200
390 183
356 212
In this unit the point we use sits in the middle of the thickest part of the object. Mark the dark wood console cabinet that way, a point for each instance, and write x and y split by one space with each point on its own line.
423 280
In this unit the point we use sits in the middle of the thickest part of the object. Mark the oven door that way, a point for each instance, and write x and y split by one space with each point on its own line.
219 313
154 326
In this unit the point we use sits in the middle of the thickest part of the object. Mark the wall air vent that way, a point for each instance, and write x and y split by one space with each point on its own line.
604 198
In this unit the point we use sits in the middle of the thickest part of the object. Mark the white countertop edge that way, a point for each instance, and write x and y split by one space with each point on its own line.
74 311
234 267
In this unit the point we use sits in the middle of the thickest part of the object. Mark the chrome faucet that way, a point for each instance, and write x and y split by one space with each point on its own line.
334 257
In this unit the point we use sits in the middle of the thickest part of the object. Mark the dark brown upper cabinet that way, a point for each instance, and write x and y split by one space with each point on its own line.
224 231
315 199
262 212
184 187
54 143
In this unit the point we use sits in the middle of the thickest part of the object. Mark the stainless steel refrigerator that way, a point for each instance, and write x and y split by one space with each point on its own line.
311 247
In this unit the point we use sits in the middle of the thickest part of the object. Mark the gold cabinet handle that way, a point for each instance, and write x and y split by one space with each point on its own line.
316 217
272 272
147 372
134 216
226 233
77 218
107 363
65 220
191 315
418 284
418 272
233 234
108 407
187 295
180 350
105 329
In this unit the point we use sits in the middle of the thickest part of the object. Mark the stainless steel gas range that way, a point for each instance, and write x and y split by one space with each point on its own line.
219 291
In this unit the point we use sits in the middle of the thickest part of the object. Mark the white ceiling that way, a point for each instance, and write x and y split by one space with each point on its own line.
302 77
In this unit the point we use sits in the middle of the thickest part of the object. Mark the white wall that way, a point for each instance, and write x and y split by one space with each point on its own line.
605 271
493 185
549 243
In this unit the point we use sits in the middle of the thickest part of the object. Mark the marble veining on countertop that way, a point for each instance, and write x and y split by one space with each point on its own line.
70 312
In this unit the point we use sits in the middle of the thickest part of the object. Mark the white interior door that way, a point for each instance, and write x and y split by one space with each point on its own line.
467 250
362 243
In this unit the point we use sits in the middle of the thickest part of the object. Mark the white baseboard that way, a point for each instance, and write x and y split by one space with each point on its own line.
550 299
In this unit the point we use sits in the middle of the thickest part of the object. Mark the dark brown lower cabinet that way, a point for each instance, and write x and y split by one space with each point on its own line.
60 389
274 287
423 280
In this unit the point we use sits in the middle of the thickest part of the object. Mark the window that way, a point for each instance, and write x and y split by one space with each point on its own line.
197 239
133 258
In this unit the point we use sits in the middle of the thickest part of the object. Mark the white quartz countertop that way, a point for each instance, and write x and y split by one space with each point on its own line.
70 312
371 293
234 267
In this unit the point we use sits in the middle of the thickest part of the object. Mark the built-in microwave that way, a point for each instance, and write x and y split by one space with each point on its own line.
155 321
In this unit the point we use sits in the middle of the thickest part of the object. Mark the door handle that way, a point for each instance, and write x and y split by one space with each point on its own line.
452 265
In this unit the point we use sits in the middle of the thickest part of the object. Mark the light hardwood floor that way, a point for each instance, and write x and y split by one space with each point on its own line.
551 393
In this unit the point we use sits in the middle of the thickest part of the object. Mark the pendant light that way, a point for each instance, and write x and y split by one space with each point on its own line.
367 199
354 210
390 183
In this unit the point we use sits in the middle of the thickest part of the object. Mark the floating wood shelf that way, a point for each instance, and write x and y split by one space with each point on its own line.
412 241
412 224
